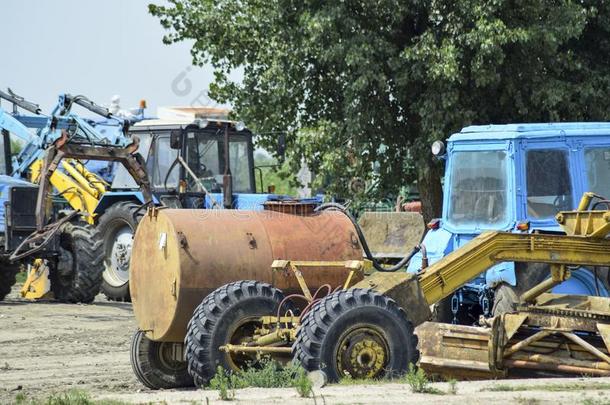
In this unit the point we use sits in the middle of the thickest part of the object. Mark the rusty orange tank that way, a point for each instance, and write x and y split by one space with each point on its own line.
180 256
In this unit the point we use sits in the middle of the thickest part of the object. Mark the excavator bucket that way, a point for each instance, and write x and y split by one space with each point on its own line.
392 235
37 284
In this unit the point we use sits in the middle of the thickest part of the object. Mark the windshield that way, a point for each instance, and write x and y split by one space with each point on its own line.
597 161
478 188
122 178
160 160
549 189
205 156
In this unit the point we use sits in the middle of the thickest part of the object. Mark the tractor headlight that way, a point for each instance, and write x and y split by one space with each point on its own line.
438 148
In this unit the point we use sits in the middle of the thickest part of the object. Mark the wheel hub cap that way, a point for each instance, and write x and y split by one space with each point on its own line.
362 353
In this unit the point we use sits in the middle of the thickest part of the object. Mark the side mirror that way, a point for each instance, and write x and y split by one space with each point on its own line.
175 139
281 147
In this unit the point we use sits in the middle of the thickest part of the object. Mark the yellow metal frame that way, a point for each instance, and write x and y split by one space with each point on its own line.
80 187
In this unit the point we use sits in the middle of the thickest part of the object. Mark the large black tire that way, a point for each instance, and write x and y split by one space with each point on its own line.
118 226
228 315
527 275
77 276
8 273
356 332
154 366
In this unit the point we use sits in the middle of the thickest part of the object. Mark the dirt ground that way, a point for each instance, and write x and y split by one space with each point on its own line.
47 347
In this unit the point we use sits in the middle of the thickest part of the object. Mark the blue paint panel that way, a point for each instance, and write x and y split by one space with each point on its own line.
514 131
581 282
112 197
253 202
438 243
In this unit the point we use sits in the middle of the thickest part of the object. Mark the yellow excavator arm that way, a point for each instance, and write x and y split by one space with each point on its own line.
80 187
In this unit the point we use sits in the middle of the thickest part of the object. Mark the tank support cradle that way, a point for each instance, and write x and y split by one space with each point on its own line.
277 332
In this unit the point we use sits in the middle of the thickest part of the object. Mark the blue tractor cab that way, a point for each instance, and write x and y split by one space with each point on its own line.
516 178
196 157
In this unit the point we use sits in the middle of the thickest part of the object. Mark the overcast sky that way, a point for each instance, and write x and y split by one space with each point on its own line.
96 48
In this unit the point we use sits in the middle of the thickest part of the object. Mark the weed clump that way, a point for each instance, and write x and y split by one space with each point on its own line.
268 374
419 382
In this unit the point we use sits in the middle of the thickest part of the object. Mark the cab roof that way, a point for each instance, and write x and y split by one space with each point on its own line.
183 116
542 130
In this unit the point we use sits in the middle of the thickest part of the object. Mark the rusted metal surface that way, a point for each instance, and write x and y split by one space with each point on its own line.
403 288
455 351
392 235
539 338
180 256
290 207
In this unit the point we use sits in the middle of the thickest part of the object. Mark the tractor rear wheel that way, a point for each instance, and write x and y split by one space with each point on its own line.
8 273
159 365
527 275
118 226
230 314
77 275
358 333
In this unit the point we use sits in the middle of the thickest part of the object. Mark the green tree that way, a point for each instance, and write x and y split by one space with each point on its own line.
375 82
270 172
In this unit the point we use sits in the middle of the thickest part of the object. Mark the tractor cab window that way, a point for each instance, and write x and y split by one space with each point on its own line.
160 160
549 188
597 161
5 155
205 156
122 178
478 188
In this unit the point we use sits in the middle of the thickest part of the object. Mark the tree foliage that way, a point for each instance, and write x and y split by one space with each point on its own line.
369 84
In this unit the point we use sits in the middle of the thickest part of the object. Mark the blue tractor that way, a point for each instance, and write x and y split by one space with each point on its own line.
514 178
196 158
35 229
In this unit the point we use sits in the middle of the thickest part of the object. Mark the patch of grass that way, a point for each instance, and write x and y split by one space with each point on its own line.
222 382
349 380
577 386
527 401
269 375
21 398
71 397
302 383
419 382
21 277
590 401
452 387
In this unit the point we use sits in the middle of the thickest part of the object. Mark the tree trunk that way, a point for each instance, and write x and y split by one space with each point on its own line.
429 174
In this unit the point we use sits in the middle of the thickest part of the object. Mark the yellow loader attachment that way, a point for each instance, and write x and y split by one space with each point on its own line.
80 187
37 285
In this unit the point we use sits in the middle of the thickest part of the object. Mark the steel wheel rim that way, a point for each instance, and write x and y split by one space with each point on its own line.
362 352
165 355
117 256
242 333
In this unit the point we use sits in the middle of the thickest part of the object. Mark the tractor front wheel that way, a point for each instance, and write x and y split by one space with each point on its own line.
356 333
159 365
77 275
118 226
